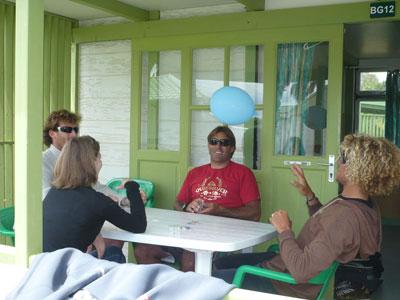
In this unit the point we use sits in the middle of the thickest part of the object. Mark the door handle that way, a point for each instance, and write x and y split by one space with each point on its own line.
296 162
330 164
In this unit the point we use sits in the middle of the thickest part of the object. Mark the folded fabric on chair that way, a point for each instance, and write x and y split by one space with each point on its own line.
70 274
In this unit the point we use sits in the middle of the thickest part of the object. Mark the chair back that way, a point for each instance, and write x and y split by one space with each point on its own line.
145 185
323 278
7 222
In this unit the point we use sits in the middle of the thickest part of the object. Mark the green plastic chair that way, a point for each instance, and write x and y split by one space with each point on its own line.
7 223
322 278
145 185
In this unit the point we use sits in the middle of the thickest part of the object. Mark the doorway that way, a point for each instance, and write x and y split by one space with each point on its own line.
370 51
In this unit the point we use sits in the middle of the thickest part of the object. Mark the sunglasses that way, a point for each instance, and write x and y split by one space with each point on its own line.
68 129
342 157
222 142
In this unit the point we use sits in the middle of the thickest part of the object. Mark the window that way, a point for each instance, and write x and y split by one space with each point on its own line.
209 74
370 102
372 82
160 101
301 99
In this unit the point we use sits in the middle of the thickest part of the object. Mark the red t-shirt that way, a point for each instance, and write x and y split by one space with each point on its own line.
232 186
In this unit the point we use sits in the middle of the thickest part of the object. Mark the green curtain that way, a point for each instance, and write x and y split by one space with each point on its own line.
294 72
392 120
57 82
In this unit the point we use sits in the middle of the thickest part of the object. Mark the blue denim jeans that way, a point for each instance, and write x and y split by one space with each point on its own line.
112 253
225 268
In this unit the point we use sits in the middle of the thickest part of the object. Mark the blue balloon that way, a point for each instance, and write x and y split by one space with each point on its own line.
232 105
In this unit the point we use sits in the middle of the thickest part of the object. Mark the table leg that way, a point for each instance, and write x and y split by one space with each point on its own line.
203 262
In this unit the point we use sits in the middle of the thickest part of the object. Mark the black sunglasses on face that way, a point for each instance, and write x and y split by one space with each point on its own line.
342 157
68 129
222 142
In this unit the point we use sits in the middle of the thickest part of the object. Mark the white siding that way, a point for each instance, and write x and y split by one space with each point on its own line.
104 102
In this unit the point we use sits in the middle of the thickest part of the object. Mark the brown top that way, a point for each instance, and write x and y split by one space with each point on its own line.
341 230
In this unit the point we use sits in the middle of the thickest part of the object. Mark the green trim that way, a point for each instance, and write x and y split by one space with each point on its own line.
154 15
135 116
117 8
185 112
28 128
227 63
236 22
74 62
253 4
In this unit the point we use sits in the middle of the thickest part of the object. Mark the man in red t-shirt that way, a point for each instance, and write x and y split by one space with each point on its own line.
221 188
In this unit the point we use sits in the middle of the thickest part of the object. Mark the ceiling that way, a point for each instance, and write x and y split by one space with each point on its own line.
362 41
75 10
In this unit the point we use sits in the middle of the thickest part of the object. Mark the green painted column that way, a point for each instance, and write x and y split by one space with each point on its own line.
28 128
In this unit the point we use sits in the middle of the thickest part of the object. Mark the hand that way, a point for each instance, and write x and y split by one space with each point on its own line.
100 245
143 196
280 220
195 206
301 183
122 185
210 208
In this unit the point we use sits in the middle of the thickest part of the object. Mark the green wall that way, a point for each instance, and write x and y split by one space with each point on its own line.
57 85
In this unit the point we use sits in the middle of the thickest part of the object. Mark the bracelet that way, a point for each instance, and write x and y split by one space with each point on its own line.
183 207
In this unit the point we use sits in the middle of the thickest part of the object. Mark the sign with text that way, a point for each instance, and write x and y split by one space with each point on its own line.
382 9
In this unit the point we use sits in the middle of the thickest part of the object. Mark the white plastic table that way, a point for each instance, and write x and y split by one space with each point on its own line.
201 234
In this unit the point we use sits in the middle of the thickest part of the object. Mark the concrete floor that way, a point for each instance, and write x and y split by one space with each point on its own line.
390 288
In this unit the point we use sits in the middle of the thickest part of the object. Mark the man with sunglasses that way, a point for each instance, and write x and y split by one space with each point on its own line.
221 188
60 127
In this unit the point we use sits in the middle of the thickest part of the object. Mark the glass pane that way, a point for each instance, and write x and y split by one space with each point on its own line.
371 118
208 74
302 86
246 70
248 139
372 81
160 102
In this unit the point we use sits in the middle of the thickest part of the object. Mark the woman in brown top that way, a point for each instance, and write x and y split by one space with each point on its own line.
346 227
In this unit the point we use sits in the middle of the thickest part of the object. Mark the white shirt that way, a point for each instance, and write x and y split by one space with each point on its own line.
49 158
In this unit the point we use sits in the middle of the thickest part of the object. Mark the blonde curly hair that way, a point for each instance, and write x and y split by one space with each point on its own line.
371 163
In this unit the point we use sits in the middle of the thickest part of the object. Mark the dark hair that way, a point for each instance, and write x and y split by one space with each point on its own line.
227 131
54 120
76 165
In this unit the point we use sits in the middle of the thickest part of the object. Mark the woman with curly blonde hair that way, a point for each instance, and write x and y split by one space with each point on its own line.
371 163
345 228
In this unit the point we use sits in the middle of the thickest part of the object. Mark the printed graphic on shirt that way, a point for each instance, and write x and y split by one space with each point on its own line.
211 189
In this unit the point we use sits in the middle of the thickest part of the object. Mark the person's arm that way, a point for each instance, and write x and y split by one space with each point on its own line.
250 211
136 220
302 186
338 234
47 176
99 244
